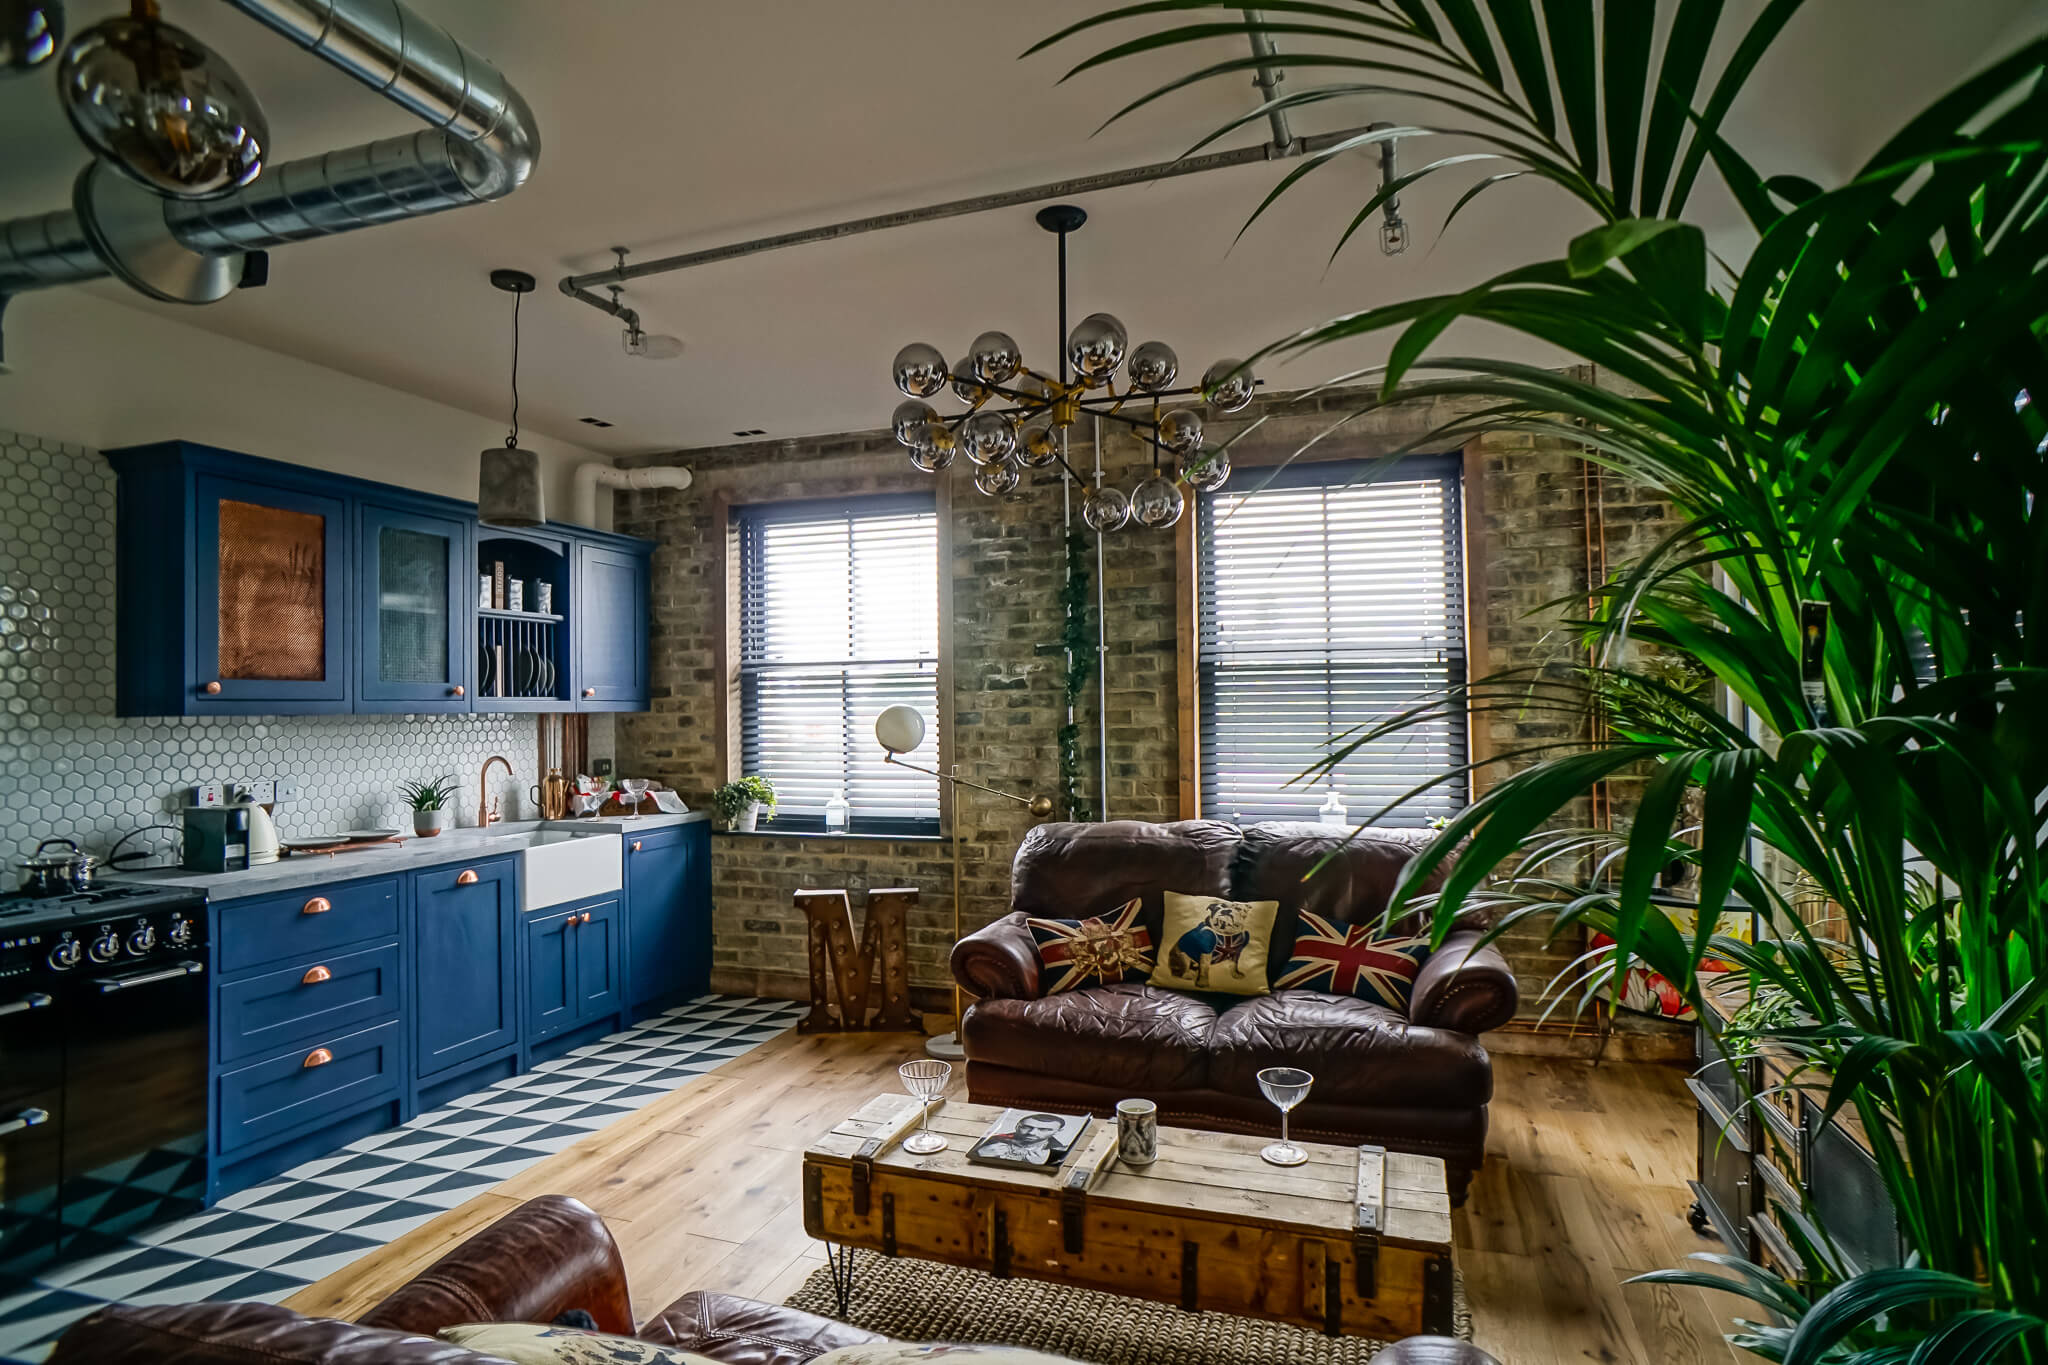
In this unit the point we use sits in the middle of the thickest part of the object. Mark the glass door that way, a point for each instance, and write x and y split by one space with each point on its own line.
415 615
270 574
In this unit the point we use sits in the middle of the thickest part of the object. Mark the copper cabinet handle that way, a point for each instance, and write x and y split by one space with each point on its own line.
636 845
586 917
465 878
315 975
319 1056
457 690
589 691
212 689
319 905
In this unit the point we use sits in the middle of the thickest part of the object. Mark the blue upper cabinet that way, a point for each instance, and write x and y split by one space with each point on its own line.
415 608
251 587
610 628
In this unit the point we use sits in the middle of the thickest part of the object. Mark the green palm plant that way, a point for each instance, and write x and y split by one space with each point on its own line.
1844 419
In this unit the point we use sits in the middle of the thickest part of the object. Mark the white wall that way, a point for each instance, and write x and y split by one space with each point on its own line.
86 370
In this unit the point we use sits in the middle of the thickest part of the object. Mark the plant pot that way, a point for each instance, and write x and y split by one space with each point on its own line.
748 818
427 823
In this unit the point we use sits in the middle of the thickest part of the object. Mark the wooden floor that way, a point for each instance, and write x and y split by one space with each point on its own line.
1584 1186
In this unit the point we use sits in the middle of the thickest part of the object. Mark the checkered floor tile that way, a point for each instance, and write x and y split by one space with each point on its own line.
270 1240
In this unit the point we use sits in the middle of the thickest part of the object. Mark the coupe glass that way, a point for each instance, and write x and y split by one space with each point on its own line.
634 788
1285 1086
925 1079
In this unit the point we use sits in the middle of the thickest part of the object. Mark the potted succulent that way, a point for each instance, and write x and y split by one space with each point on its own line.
428 800
742 803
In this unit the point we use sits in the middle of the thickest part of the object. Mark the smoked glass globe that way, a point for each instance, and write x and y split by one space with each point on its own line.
1205 471
1157 503
909 419
1037 446
1180 431
995 358
1104 509
1096 347
998 478
989 437
919 370
964 387
1229 385
931 459
1154 366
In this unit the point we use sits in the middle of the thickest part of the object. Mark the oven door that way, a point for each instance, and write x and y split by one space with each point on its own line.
31 1112
134 1101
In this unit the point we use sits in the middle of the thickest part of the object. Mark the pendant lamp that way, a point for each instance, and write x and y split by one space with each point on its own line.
508 491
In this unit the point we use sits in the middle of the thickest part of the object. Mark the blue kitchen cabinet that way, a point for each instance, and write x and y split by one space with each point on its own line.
465 1003
254 587
574 966
668 917
415 610
609 628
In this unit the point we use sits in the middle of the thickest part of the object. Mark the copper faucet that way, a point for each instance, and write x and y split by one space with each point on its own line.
486 804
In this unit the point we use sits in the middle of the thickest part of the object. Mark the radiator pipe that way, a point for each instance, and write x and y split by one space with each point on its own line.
1267 77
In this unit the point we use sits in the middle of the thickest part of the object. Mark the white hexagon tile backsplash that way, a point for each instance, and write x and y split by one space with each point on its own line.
69 766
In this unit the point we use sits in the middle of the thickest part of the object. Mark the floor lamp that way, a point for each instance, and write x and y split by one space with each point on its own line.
900 729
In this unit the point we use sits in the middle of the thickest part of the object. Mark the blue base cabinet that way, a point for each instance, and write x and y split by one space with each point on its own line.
465 996
574 966
668 917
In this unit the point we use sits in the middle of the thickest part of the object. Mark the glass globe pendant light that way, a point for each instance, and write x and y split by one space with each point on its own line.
508 487
161 107
1105 509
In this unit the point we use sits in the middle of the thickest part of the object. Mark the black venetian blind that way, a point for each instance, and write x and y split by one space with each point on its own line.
839 619
1331 596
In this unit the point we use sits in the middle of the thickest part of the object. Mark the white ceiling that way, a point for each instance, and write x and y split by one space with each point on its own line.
670 125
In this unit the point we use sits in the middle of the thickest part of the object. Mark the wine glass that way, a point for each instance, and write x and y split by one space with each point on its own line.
925 1079
634 788
1285 1086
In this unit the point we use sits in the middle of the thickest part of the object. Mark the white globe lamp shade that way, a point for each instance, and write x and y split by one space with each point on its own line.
900 729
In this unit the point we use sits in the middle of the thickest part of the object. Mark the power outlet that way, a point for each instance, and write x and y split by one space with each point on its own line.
261 790
208 794
287 789
600 767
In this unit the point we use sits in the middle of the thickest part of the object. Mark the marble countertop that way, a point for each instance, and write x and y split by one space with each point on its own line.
451 846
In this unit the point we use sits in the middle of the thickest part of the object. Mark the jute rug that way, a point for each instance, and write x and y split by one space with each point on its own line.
916 1300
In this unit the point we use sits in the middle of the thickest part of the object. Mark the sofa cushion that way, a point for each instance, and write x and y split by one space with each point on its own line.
1208 943
1359 1053
1353 961
1069 870
1102 950
245 1334
536 1343
737 1331
1138 1037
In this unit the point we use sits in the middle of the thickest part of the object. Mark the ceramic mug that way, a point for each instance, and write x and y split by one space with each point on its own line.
1137 1132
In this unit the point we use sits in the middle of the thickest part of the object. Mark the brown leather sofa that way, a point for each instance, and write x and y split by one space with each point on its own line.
546 1257
1414 1083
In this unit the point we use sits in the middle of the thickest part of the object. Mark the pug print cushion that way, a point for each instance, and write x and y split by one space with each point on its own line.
1211 944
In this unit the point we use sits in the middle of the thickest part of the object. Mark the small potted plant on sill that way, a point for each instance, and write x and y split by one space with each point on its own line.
742 804
428 800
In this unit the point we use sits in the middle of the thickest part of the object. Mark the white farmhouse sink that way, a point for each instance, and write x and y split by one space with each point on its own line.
558 865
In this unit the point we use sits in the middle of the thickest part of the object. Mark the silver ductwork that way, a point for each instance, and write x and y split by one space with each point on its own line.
481 146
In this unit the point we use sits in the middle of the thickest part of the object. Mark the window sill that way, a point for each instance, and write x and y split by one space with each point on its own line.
821 834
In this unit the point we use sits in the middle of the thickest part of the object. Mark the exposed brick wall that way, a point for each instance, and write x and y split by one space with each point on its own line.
1007 564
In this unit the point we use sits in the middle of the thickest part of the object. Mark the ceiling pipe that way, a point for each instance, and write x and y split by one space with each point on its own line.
482 145
590 476
1284 146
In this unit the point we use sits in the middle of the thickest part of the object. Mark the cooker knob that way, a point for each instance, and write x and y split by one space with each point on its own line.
65 955
181 933
105 948
142 940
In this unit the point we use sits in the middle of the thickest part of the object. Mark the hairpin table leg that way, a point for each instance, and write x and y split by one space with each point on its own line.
839 1260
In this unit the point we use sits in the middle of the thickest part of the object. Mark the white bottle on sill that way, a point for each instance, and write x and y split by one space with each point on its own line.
836 813
1332 811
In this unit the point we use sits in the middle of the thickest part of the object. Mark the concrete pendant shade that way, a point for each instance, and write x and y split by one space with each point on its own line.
508 488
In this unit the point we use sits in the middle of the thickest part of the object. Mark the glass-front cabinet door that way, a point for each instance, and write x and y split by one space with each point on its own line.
415 616
270 584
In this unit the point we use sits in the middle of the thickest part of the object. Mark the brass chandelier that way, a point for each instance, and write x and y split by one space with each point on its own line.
1018 418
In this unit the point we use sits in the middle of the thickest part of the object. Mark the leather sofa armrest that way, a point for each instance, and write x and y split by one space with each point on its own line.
998 961
1432 1351
244 1334
1464 987
739 1331
536 1263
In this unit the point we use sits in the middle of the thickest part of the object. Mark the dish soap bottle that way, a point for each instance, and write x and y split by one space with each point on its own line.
836 812
1331 812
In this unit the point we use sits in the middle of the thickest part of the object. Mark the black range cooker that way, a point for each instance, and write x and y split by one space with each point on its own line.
102 1068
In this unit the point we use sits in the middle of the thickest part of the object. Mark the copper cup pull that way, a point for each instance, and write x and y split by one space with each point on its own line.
586 917
457 690
319 905
314 976
466 878
319 1056
212 689
589 691
636 845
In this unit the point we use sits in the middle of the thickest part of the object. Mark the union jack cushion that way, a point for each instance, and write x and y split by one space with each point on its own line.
1341 961
1093 952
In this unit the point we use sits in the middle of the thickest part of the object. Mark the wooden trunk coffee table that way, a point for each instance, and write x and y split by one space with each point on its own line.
1356 1241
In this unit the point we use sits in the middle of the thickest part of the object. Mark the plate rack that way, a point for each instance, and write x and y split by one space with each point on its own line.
519 654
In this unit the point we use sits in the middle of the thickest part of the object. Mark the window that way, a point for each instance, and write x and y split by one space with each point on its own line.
839 618
1330 596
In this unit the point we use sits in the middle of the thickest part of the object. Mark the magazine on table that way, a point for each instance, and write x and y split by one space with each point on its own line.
1029 1139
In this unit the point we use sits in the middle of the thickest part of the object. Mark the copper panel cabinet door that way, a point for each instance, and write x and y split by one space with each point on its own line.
270 576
